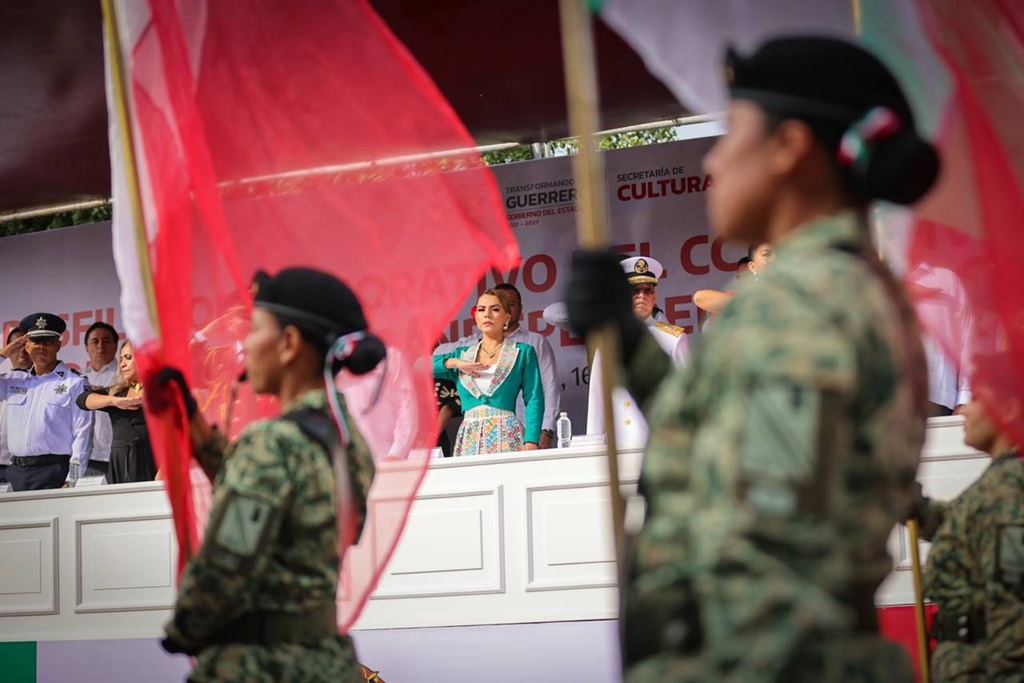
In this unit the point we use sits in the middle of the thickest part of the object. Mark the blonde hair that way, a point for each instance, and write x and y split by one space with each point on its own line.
123 386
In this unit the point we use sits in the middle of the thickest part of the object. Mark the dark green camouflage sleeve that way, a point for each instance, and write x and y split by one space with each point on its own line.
741 452
251 497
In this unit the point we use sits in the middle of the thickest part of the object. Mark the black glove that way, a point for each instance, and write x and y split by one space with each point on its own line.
598 294
158 397
923 512
175 641
176 647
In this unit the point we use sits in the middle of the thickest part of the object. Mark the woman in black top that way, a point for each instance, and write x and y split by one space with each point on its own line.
131 458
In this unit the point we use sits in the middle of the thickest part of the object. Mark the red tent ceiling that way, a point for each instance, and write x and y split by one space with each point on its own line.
499 64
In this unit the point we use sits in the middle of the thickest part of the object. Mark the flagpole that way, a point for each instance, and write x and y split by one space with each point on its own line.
134 199
128 150
922 633
592 223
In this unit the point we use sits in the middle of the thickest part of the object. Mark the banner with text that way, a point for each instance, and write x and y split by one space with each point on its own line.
657 207
656 197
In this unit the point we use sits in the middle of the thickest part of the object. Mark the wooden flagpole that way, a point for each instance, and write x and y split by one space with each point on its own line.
922 632
119 83
592 223
121 109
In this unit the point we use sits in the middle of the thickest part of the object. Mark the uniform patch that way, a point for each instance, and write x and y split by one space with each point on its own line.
17 390
781 436
1010 558
60 389
241 529
787 431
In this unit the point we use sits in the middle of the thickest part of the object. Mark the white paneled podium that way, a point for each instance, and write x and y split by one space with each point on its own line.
506 539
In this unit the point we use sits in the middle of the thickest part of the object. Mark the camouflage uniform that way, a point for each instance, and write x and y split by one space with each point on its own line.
285 560
976 571
778 462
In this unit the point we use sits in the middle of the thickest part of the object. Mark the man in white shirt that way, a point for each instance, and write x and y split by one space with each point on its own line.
47 431
15 360
101 371
941 304
630 427
383 404
545 357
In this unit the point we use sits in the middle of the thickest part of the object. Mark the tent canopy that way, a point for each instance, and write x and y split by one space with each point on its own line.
499 64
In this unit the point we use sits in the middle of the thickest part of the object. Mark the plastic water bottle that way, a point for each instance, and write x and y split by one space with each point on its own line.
563 430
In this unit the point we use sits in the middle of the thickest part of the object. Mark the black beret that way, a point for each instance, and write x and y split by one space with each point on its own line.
42 325
846 95
312 300
816 77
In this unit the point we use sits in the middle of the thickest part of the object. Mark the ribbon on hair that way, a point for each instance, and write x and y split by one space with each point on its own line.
860 139
341 349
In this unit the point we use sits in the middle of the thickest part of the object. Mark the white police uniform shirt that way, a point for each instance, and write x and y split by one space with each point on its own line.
630 425
6 369
548 370
102 433
43 417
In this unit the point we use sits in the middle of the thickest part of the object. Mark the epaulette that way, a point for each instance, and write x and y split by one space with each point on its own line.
674 330
74 371
316 425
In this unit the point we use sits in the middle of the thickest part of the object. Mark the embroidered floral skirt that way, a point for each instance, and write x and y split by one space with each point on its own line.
487 430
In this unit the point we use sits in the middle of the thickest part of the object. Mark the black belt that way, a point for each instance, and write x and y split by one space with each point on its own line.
40 460
278 628
863 603
966 627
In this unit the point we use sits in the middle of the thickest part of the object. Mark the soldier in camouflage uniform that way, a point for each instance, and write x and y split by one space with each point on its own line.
975 571
257 603
781 457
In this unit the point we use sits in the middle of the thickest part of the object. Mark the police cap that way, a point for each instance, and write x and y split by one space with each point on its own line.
40 325
850 100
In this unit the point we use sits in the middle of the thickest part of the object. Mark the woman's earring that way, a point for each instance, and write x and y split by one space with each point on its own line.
505 326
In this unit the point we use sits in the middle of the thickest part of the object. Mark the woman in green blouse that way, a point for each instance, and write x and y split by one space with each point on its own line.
490 375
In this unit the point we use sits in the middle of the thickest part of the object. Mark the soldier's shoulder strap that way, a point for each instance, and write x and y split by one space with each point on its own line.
318 426
669 328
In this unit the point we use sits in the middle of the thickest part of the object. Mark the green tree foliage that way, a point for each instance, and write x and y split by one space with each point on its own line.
633 138
22 226
637 138
505 156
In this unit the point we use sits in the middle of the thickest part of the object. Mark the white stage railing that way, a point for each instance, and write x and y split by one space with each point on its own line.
517 538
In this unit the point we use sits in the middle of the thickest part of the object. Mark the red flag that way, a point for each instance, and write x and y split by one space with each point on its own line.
971 225
269 134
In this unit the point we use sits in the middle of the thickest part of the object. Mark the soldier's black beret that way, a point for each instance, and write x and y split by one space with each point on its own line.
310 299
850 100
324 309
42 325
